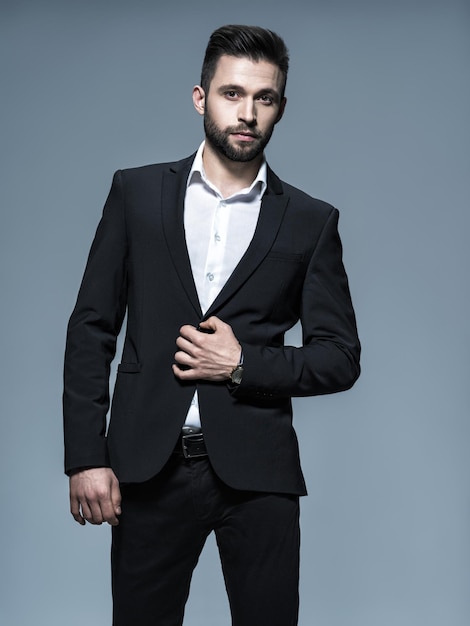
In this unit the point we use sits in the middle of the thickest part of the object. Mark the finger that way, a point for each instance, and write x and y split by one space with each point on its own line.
116 497
185 345
183 358
184 374
75 511
108 513
91 511
187 331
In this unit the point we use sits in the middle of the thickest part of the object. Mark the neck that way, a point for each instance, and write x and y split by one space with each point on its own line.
229 176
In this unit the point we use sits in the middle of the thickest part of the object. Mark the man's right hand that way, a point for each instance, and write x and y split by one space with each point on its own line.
95 496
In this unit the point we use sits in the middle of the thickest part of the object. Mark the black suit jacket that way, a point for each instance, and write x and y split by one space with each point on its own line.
139 264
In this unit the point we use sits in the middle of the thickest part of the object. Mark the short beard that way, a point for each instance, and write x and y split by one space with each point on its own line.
219 140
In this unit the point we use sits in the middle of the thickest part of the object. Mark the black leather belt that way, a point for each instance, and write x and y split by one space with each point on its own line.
191 444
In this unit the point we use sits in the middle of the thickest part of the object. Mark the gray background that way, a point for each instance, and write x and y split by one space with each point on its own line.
378 124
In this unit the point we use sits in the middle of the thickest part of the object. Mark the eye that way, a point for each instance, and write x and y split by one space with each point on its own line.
265 99
231 94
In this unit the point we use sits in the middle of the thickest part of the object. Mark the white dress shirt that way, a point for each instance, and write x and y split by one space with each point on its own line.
218 231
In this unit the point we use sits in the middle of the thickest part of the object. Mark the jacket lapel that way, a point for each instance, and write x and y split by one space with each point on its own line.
272 211
173 193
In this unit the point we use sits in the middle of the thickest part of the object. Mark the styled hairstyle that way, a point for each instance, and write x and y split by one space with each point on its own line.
253 42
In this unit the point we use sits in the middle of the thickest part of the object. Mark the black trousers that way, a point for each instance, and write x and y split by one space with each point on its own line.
163 528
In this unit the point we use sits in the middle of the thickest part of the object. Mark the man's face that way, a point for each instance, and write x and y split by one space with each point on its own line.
243 105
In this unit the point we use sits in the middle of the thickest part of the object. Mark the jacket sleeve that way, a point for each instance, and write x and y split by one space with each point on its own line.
328 360
91 338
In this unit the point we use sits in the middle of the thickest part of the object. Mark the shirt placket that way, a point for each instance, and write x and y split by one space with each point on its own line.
213 274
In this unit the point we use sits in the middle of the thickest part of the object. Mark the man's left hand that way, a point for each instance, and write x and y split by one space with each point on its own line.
208 355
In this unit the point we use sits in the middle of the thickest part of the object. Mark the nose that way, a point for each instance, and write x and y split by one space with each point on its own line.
247 112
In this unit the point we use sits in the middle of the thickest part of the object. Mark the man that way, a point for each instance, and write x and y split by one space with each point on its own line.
213 258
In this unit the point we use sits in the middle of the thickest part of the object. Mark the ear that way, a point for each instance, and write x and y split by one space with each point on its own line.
282 108
199 99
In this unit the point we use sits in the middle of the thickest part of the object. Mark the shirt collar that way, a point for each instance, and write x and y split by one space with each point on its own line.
197 174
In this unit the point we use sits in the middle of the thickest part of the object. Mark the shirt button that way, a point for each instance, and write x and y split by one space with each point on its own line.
223 203
217 237
210 276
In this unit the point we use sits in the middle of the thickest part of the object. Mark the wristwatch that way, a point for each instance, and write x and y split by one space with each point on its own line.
237 372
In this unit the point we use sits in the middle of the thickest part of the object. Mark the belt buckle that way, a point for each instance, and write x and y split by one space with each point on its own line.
192 445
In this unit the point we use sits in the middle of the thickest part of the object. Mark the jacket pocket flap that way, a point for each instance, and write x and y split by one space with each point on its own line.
129 368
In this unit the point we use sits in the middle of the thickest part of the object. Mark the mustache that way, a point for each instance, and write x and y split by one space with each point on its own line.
243 129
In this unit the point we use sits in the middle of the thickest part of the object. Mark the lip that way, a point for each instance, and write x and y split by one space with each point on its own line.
244 136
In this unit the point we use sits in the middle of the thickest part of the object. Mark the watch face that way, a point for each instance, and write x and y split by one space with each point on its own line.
237 375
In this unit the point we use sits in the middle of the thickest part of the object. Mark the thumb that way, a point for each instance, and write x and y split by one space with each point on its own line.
210 325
